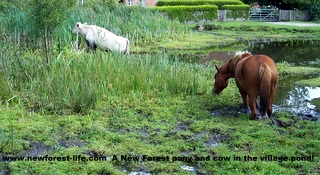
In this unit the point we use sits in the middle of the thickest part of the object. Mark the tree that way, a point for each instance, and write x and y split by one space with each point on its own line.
284 4
312 5
49 14
45 16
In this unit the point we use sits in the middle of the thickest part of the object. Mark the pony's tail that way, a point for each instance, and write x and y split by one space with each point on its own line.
266 88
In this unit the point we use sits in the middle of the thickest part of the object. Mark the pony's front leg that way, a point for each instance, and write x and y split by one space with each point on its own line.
252 105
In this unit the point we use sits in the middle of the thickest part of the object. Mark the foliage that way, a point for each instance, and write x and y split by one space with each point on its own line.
237 11
5 93
312 5
235 7
23 66
126 21
75 83
140 104
218 3
162 125
190 13
315 11
316 102
7 4
48 15
121 20
100 3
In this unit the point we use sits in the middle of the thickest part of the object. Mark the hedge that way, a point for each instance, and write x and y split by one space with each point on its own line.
235 7
237 11
218 3
190 13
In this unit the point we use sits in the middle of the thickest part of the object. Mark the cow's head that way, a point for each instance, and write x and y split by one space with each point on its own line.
77 29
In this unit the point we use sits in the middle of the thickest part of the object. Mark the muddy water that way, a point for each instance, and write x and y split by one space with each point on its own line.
289 96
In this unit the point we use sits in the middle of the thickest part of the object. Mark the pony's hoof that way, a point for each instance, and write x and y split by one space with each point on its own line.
253 118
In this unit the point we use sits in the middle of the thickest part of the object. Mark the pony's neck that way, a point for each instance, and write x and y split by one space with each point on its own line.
227 71
229 67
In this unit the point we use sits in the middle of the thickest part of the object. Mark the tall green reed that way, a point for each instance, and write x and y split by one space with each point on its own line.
75 83
141 25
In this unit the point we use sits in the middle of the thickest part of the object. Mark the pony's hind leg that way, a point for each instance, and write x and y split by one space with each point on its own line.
269 110
252 105
244 100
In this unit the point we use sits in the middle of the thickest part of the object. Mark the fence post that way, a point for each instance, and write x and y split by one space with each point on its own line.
280 15
222 15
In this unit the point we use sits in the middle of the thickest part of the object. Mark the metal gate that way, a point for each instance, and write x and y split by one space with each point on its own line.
264 15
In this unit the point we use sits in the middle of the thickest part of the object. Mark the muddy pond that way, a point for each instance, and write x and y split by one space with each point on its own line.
289 96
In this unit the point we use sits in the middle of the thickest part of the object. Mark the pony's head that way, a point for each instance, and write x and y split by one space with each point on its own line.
220 80
227 71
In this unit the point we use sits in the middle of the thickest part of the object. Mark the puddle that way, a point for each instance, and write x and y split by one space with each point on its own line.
38 149
300 97
298 101
139 173
189 168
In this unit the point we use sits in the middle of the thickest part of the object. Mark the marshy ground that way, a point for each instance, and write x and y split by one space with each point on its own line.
107 105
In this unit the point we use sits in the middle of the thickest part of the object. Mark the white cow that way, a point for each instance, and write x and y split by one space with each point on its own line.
99 37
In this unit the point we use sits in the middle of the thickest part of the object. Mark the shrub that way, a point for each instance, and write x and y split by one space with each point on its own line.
5 93
315 11
237 11
218 3
190 13
235 7
49 14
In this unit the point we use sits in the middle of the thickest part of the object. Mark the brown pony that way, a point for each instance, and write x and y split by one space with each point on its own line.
255 75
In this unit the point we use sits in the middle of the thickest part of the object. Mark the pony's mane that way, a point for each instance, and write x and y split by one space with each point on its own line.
231 65
239 56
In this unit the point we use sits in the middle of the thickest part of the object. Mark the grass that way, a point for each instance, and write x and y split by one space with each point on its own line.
89 78
286 70
101 104
215 34
316 102
313 82
163 127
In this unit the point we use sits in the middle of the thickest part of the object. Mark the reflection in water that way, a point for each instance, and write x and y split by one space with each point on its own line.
298 101
300 97
295 52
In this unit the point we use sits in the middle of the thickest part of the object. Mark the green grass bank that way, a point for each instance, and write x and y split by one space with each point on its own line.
105 107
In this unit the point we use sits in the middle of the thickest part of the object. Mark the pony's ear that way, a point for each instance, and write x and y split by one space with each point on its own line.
216 67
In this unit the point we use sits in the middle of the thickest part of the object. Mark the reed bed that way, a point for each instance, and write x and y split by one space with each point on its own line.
75 83
60 81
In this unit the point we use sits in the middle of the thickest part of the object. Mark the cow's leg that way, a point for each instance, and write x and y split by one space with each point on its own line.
91 45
